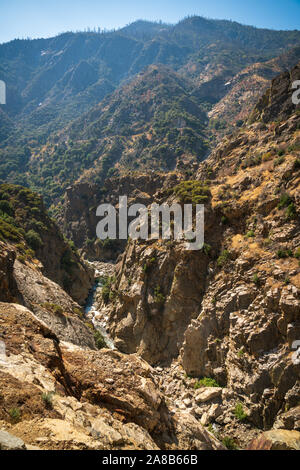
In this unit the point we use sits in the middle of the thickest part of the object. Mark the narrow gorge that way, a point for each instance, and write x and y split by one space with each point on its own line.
142 344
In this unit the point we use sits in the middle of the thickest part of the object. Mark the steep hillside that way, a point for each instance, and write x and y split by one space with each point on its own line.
152 123
229 314
52 81
203 343
244 90
83 399
36 240
54 381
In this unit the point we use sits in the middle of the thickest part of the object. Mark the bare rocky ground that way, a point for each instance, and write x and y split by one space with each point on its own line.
56 395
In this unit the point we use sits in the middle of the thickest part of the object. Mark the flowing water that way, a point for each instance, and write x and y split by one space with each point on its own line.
91 310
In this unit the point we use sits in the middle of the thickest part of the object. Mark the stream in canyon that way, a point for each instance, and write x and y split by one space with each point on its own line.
91 308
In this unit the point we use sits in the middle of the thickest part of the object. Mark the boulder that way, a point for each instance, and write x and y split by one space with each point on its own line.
289 420
276 439
207 394
10 442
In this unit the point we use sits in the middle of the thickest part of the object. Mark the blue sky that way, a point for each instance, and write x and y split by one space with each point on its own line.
44 18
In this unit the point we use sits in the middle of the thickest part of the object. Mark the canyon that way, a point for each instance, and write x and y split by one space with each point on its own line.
143 344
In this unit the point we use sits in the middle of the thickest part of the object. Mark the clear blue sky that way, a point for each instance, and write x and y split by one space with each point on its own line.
44 18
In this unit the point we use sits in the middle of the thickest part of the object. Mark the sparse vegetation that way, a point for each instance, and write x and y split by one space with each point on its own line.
285 200
279 161
206 249
206 382
158 295
250 234
99 340
15 414
192 191
54 308
291 211
106 292
47 398
239 412
284 253
223 258
241 352
229 443
149 263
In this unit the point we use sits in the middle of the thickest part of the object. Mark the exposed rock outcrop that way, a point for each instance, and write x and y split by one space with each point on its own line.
10 442
8 287
277 440
26 225
231 310
73 398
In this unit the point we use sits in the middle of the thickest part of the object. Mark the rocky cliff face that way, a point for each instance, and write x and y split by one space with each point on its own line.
8 287
244 90
25 224
57 390
78 220
55 395
231 312
206 340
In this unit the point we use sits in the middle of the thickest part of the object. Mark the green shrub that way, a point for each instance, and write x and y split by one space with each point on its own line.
255 278
106 291
241 352
206 249
158 296
6 207
78 312
22 259
267 241
99 340
297 164
192 191
29 253
47 398
278 161
206 382
223 258
33 239
9 232
105 294
147 266
229 443
54 308
284 253
239 412
15 414
285 200
4 196
109 244
291 211
67 262
250 234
